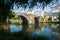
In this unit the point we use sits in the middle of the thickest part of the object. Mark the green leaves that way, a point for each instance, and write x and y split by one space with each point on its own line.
29 3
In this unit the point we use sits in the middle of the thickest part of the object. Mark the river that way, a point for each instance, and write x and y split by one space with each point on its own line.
41 31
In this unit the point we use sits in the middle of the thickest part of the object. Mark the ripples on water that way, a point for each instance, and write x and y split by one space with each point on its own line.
35 32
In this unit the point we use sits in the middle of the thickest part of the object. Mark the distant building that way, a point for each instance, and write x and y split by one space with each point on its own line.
54 10
47 15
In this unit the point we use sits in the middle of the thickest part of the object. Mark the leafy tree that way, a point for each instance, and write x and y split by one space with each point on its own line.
4 11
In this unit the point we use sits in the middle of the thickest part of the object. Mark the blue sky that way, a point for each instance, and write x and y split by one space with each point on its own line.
40 13
20 9
46 9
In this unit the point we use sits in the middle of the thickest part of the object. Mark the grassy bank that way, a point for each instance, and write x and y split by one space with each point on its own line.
50 21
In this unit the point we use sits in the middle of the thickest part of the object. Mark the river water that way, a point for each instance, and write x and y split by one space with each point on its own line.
41 31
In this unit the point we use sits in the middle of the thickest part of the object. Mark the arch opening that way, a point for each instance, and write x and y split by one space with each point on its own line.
24 19
36 20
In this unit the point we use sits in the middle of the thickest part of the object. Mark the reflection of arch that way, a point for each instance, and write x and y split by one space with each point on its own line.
25 21
36 20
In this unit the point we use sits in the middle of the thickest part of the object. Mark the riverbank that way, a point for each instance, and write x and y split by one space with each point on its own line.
50 22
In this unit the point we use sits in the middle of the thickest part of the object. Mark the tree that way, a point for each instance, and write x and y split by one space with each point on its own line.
33 3
6 5
4 12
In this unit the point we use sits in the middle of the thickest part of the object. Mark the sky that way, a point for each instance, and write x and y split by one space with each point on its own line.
39 13
46 9
20 9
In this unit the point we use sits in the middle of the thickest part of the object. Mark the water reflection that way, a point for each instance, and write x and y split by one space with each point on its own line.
37 29
42 32
51 31
15 28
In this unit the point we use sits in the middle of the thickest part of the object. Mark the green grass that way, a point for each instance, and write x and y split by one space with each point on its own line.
50 21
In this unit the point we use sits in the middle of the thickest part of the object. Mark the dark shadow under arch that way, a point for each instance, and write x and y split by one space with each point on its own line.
36 20
25 21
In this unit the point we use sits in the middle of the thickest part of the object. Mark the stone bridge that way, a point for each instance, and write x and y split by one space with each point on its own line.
27 18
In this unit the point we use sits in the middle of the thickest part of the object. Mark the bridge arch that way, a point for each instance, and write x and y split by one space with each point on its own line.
36 20
27 18
24 19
